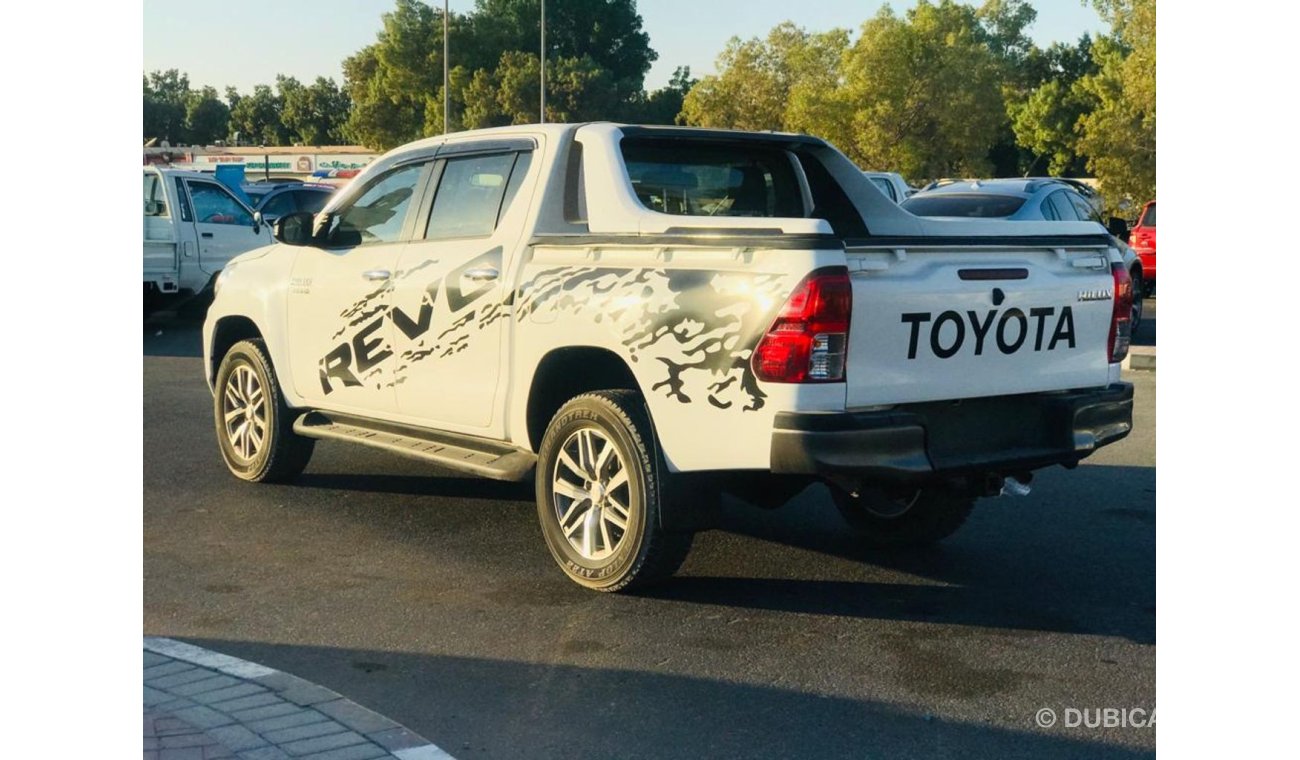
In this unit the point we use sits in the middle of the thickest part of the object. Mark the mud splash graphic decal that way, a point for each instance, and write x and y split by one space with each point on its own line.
701 325
365 353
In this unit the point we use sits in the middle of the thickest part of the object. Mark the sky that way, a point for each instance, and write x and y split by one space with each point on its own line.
248 42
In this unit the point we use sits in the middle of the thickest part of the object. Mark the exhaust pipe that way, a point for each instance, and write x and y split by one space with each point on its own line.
1013 487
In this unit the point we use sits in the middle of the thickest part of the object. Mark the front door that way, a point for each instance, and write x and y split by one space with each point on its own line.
224 225
340 332
449 305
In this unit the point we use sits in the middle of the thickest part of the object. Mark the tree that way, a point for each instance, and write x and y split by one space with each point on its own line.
207 119
608 32
314 114
256 118
166 100
756 78
597 57
1119 135
664 105
923 93
1045 121
389 82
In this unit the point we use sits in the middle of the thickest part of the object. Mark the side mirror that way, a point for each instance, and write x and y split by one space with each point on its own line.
1118 227
258 221
294 229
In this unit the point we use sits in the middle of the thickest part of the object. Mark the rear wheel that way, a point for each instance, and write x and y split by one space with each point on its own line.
254 426
1139 293
889 517
600 491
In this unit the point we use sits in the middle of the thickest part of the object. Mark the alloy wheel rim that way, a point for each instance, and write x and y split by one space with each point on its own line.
591 494
243 409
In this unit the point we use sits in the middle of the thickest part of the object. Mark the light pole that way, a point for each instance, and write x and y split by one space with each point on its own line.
542 120
446 90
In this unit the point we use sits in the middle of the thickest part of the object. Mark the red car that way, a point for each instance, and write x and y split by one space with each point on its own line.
1143 242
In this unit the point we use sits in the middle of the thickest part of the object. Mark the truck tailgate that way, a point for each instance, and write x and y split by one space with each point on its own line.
949 321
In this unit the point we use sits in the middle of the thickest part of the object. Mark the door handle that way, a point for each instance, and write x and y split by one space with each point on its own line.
482 274
377 274
205 234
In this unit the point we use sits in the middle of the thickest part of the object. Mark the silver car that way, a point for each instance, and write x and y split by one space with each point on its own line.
1027 200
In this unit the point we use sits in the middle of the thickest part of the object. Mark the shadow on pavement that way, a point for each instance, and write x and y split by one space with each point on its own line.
504 709
1056 563
1145 335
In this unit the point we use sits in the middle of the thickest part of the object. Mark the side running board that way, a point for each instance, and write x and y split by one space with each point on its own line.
479 456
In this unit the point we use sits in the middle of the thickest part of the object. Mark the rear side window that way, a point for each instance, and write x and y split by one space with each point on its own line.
1086 212
155 200
699 178
469 198
183 201
982 205
310 202
1149 218
885 187
1064 209
279 205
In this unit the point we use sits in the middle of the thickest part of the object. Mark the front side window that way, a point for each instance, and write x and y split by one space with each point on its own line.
214 205
378 215
469 197
693 178
973 205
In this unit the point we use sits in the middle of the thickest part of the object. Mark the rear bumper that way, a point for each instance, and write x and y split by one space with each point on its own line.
917 441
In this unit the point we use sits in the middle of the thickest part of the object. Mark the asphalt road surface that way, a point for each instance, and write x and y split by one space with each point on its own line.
430 597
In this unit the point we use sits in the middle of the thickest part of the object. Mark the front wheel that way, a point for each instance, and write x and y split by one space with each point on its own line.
898 517
600 491
254 426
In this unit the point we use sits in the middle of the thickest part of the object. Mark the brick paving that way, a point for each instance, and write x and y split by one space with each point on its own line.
201 705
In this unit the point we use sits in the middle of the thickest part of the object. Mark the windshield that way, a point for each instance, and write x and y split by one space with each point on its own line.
981 205
712 179
1149 218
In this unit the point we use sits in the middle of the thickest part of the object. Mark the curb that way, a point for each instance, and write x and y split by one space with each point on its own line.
259 713
1140 358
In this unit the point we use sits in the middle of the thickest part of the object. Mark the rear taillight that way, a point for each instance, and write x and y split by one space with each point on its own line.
808 342
1120 318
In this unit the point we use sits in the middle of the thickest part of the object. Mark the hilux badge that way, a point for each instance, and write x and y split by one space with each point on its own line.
1095 295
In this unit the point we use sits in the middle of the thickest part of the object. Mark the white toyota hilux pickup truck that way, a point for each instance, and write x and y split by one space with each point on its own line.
644 318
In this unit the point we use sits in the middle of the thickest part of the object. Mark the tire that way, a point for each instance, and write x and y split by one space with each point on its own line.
598 466
903 518
1135 314
246 381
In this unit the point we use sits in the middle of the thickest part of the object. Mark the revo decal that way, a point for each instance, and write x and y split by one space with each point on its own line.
1009 330
365 352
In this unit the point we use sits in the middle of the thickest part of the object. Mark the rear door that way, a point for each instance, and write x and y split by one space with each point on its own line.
224 225
965 320
448 303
